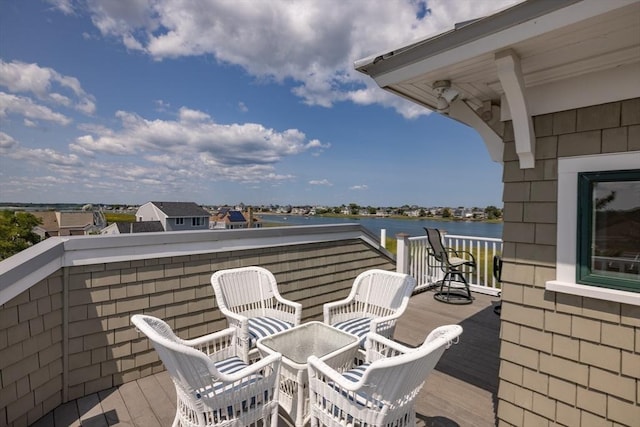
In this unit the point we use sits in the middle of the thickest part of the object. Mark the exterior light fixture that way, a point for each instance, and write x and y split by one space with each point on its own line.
445 93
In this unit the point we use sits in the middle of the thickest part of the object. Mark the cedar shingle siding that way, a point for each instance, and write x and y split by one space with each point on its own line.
564 359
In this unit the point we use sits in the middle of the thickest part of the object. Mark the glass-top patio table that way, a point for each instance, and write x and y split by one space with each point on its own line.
333 346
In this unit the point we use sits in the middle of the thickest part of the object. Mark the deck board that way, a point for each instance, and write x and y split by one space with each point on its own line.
67 415
91 411
115 410
138 406
460 392
162 406
164 380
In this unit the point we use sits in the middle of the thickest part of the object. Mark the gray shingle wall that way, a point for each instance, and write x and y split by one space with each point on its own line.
104 350
31 352
565 359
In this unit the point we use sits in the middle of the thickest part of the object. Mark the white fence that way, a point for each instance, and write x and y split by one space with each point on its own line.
413 258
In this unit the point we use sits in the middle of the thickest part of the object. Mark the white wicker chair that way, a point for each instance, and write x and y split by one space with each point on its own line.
249 298
382 391
376 301
214 387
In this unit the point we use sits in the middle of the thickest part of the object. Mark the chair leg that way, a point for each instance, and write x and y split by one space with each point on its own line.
466 285
455 297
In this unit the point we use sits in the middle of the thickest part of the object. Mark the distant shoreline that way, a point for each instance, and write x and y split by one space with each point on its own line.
400 217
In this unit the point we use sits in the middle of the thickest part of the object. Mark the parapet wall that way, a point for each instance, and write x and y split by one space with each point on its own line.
69 335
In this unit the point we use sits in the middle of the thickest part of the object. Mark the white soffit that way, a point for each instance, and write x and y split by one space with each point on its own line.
568 54
543 27
619 83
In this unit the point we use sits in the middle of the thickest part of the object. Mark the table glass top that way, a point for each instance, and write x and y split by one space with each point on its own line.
313 338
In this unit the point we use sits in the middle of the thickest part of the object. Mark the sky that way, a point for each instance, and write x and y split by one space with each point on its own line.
227 102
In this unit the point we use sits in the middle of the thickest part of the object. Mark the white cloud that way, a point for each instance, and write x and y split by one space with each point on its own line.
12 104
189 115
194 146
45 84
320 182
60 99
46 157
161 105
65 6
313 43
52 157
88 145
194 132
6 142
359 187
86 106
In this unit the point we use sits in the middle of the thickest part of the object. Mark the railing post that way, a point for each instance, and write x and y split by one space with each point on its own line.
402 258
383 238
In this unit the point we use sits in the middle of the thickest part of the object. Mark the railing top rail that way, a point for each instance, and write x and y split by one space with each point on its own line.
484 239
453 236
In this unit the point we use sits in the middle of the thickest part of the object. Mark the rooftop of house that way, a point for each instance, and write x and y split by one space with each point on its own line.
49 219
236 216
139 227
177 209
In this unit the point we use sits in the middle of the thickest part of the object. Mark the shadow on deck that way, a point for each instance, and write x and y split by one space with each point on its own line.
462 391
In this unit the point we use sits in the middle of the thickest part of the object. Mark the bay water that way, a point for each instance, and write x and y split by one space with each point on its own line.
413 227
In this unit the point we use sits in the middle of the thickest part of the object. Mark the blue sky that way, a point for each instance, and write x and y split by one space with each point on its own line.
223 102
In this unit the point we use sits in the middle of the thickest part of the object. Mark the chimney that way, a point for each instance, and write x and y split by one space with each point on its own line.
250 215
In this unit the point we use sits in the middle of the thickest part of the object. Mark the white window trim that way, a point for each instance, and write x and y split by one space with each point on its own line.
568 169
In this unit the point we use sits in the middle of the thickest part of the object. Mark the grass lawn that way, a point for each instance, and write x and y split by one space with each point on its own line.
119 217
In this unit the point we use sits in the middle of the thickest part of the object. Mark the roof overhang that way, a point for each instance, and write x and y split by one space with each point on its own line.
534 58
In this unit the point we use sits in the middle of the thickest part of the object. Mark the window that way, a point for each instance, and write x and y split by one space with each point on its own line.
196 222
567 253
179 221
609 229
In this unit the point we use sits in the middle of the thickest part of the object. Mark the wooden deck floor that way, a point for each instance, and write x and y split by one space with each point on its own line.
462 391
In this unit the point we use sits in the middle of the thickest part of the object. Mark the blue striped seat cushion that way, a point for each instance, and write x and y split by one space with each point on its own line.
354 375
359 326
260 327
226 366
230 366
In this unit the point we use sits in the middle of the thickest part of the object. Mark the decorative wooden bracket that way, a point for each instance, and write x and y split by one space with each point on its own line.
459 110
510 75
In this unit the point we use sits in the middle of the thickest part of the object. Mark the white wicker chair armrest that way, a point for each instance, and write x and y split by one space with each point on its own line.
317 366
292 307
292 304
449 332
218 345
379 347
330 309
376 321
237 320
272 360
213 337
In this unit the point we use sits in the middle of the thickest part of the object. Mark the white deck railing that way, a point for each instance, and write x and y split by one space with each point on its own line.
414 259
